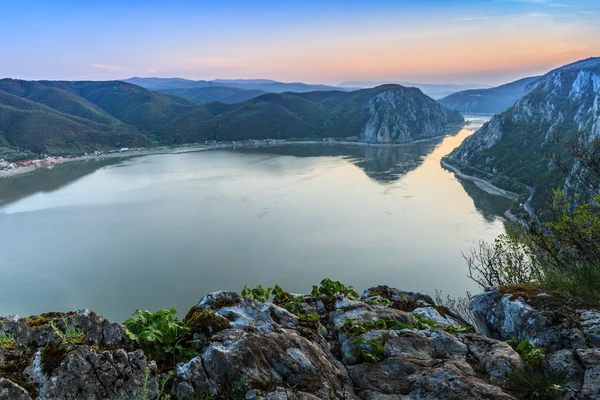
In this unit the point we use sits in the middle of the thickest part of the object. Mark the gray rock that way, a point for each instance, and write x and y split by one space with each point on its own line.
434 315
449 382
590 326
248 314
505 318
278 358
590 358
351 309
11 391
107 375
498 358
393 294
36 332
566 362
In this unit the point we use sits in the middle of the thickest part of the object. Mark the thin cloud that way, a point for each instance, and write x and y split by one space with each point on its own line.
112 68
484 17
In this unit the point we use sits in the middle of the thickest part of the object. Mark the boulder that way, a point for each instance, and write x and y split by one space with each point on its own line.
12 391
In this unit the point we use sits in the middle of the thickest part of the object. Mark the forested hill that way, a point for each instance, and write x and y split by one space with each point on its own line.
64 117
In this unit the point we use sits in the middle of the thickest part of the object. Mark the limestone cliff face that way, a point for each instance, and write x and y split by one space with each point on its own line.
563 104
399 115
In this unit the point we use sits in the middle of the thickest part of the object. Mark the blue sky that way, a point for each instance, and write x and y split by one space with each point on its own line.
484 41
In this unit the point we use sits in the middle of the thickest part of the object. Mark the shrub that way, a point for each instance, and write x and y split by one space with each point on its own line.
506 262
329 289
160 334
535 382
258 293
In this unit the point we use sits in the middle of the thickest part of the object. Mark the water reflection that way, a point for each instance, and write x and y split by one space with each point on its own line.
47 180
489 205
384 164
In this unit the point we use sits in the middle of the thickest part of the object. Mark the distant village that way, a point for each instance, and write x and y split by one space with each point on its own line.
47 162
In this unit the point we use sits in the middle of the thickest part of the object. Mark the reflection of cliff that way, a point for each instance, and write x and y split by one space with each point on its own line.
383 164
489 204
44 180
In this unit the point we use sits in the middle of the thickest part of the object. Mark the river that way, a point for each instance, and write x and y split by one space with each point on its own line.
161 231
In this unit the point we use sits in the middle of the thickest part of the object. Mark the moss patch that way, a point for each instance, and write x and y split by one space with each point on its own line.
205 321
52 355
13 366
43 319
555 300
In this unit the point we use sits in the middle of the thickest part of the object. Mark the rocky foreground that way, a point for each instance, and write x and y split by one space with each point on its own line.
388 344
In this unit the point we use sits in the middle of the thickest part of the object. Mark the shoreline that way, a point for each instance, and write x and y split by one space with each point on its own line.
192 148
482 184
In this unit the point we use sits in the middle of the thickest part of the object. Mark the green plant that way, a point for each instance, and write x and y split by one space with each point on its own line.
145 391
68 335
162 392
329 289
238 387
7 341
280 296
535 382
353 327
258 293
371 351
378 301
528 352
160 334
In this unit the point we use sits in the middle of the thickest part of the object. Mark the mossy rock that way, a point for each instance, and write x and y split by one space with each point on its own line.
205 321
13 368
43 319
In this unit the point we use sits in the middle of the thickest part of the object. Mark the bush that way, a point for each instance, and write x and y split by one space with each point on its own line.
160 334
562 254
508 261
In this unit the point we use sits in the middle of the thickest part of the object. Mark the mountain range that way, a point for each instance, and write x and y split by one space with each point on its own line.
433 90
69 117
513 149
490 100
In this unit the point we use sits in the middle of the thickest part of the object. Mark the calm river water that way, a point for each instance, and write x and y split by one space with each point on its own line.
161 231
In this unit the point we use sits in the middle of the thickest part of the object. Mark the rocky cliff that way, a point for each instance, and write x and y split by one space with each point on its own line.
561 105
398 115
387 344
567 329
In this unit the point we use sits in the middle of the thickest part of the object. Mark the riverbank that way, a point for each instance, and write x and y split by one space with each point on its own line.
130 153
21 170
484 185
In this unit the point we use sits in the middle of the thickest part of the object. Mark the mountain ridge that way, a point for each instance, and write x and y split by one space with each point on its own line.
112 114
561 106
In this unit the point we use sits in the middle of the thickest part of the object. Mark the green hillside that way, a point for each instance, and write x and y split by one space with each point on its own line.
60 117
229 95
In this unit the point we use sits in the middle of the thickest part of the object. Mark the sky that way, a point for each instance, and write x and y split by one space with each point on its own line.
315 41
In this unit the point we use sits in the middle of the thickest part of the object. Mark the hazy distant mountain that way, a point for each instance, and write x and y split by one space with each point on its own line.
264 85
512 148
492 101
60 117
436 91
